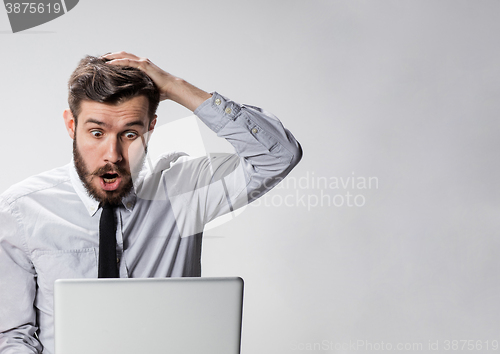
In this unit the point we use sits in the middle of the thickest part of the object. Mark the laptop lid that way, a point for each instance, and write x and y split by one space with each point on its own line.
130 316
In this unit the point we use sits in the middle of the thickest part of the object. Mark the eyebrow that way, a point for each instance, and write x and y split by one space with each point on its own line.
102 124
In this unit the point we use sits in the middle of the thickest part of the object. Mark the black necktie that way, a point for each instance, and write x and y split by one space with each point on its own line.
107 244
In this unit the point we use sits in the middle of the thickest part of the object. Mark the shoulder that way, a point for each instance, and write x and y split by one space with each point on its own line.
36 184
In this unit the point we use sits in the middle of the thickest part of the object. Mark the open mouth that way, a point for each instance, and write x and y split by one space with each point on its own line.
110 181
109 177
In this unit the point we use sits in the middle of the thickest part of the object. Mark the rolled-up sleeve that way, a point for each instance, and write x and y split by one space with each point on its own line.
17 287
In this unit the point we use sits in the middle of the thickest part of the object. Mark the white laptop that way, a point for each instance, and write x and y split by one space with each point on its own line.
132 316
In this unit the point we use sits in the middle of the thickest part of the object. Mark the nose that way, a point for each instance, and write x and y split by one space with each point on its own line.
113 150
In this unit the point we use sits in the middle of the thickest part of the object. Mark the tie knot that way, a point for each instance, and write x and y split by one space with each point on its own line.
107 206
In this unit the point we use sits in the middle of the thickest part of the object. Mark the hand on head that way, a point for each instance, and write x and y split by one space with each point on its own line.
161 78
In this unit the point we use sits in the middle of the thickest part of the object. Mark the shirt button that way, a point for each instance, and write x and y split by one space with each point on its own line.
217 101
118 260
254 130
228 110
129 205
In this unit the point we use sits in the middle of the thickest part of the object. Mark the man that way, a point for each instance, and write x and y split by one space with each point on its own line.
50 222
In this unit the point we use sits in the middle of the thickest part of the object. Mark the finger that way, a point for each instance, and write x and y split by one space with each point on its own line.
141 64
124 62
120 55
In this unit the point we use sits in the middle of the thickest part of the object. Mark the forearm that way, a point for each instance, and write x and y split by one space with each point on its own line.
255 134
267 150
17 314
185 94
19 341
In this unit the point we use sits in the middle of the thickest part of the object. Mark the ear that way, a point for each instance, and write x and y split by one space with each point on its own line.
69 122
151 128
152 125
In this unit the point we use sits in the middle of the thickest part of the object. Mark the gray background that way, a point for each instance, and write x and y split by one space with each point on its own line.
403 91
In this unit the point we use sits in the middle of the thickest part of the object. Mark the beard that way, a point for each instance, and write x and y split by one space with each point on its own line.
103 196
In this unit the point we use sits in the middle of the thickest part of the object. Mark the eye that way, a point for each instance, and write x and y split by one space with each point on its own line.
130 135
96 133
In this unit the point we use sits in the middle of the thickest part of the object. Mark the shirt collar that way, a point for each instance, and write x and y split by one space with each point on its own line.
90 203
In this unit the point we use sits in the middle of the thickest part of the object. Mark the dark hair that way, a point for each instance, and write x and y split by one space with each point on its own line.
97 81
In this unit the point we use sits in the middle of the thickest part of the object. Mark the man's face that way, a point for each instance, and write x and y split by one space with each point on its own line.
108 144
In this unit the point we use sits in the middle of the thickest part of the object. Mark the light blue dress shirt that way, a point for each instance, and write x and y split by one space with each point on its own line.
49 224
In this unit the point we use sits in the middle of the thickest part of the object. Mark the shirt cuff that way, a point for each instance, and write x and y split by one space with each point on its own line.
217 111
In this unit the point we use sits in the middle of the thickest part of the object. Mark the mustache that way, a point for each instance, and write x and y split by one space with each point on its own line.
111 169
